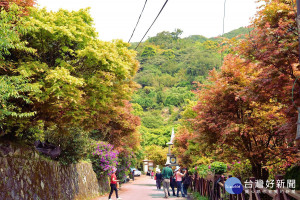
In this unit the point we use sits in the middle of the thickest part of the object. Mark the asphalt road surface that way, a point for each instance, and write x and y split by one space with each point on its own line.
142 188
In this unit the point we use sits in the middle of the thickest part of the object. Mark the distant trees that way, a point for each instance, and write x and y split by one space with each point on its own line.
170 66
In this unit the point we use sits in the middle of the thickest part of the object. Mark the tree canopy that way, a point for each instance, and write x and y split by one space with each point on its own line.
245 110
56 74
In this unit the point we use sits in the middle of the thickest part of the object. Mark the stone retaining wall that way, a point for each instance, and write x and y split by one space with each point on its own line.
26 175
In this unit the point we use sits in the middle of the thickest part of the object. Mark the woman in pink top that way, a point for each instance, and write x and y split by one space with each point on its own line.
178 176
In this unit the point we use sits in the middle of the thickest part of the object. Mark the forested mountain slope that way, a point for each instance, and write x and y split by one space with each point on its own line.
170 66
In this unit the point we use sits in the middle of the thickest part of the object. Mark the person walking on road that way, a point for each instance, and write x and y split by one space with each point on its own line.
167 173
173 184
132 175
178 176
152 174
113 184
158 177
186 181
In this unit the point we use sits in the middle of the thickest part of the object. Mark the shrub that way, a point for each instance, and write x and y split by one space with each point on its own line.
293 173
241 168
74 143
202 170
192 170
104 159
197 196
126 159
218 167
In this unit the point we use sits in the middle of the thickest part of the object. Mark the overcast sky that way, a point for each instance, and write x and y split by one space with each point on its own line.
115 19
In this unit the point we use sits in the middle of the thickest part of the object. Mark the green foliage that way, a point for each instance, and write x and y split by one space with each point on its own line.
169 66
160 136
55 70
197 38
292 173
56 76
242 31
33 133
196 195
240 168
12 25
137 109
202 170
148 52
157 154
218 167
14 88
74 143
152 121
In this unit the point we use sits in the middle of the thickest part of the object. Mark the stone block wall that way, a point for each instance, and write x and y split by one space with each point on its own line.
26 175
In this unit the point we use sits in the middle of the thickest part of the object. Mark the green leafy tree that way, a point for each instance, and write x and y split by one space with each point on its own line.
55 70
157 154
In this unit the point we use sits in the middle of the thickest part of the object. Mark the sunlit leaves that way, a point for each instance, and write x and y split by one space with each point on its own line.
56 71
11 28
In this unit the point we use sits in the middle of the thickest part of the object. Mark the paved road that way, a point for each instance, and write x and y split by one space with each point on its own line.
142 188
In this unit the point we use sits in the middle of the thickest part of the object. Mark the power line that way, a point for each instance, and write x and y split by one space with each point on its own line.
152 24
138 21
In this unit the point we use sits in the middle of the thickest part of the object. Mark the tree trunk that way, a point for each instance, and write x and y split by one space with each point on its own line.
259 172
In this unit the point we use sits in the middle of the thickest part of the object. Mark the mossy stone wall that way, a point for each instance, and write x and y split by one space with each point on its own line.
26 175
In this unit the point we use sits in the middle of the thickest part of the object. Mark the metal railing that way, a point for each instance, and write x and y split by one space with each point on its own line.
213 187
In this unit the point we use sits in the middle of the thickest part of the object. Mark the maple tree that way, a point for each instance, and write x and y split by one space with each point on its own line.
56 74
24 4
245 111
228 116
273 45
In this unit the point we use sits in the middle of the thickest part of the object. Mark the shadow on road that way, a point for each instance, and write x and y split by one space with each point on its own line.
156 196
145 185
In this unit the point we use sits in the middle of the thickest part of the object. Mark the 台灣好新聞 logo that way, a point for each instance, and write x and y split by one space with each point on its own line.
233 186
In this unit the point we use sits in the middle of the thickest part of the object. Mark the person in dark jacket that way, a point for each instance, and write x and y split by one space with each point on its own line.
186 181
158 177
173 184
132 174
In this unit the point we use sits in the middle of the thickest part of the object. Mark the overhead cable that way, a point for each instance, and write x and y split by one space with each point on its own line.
152 24
138 21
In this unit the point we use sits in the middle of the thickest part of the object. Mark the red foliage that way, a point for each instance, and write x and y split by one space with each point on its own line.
121 128
273 45
232 116
22 3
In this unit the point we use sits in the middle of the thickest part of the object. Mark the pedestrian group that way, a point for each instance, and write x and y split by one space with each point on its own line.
179 178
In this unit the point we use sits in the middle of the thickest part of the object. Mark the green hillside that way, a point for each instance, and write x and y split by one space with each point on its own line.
170 66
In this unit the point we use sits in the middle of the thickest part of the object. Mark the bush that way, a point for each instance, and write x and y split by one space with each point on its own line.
192 170
197 196
74 143
104 159
202 170
126 159
241 168
293 173
218 167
